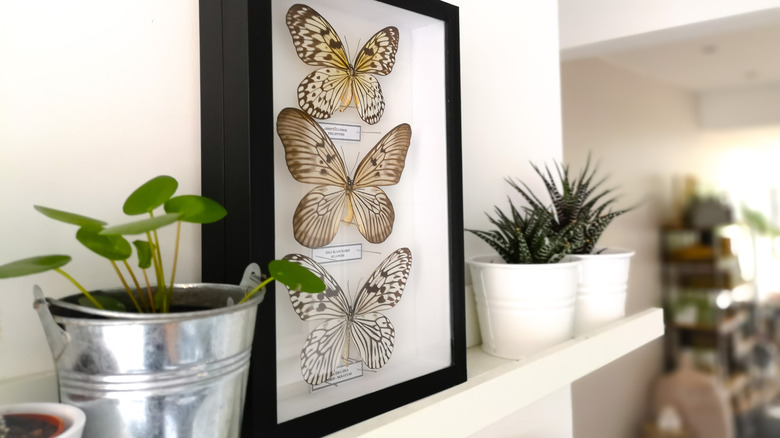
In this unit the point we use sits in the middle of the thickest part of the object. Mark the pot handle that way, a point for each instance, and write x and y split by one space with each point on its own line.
252 277
58 338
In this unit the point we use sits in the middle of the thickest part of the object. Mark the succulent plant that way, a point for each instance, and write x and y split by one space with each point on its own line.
528 236
580 200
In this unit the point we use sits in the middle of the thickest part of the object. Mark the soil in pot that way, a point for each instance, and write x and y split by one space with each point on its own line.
33 425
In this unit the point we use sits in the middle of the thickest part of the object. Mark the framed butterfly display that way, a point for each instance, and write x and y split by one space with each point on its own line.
331 132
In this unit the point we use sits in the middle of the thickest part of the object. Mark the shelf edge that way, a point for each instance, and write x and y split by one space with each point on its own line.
488 396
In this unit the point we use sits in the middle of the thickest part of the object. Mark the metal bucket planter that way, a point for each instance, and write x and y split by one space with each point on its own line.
180 374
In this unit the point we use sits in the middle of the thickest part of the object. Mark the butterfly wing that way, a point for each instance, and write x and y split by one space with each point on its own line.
318 44
384 287
329 304
377 57
373 211
320 93
322 351
311 156
367 95
378 54
323 348
374 336
372 332
385 162
315 40
316 219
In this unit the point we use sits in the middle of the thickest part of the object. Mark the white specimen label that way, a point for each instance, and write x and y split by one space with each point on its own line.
342 374
342 132
338 253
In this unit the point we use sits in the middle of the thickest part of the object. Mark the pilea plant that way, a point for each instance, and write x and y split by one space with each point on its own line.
108 242
580 200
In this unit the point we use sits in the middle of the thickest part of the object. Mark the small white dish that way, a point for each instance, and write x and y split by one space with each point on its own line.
73 417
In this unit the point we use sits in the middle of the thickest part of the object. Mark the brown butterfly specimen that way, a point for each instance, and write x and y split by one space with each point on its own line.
339 83
313 159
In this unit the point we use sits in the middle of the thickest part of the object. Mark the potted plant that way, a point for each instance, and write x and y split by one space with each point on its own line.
525 294
162 360
601 289
41 420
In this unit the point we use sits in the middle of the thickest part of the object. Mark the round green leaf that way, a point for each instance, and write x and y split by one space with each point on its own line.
108 303
150 195
69 218
195 209
33 265
295 276
144 251
142 226
112 247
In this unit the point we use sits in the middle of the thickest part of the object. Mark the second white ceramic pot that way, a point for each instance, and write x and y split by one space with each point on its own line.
601 288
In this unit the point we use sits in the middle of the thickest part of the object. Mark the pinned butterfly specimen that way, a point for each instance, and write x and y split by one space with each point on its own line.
313 159
349 325
338 83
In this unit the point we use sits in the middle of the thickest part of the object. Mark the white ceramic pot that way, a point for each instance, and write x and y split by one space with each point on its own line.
601 289
523 309
73 417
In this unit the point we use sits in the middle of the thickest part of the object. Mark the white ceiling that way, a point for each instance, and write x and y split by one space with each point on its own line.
747 57
739 58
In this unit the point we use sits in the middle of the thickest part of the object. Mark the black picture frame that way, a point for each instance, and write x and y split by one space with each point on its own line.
237 125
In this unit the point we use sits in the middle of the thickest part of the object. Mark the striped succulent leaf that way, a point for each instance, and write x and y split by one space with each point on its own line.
580 199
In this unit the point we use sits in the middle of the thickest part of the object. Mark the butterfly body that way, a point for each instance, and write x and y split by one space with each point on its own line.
312 158
338 83
349 323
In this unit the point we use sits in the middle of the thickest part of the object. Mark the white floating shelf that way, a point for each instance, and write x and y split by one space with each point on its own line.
497 387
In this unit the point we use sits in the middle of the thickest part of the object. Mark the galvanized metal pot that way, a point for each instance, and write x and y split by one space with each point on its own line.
180 374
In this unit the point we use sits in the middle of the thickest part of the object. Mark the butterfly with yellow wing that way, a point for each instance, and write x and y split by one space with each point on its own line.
312 158
339 83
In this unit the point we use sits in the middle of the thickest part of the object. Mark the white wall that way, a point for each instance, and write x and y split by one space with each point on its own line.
511 111
642 133
97 97
736 108
509 119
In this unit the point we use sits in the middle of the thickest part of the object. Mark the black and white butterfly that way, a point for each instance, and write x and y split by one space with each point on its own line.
338 83
350 325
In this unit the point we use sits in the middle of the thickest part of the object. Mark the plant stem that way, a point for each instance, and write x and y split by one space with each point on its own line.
167 294
149 290
135 281
175 253
127 288
81 288
158 273
254 291
159 254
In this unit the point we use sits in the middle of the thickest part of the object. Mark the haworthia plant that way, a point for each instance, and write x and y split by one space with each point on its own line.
580 200
527 236
580 212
